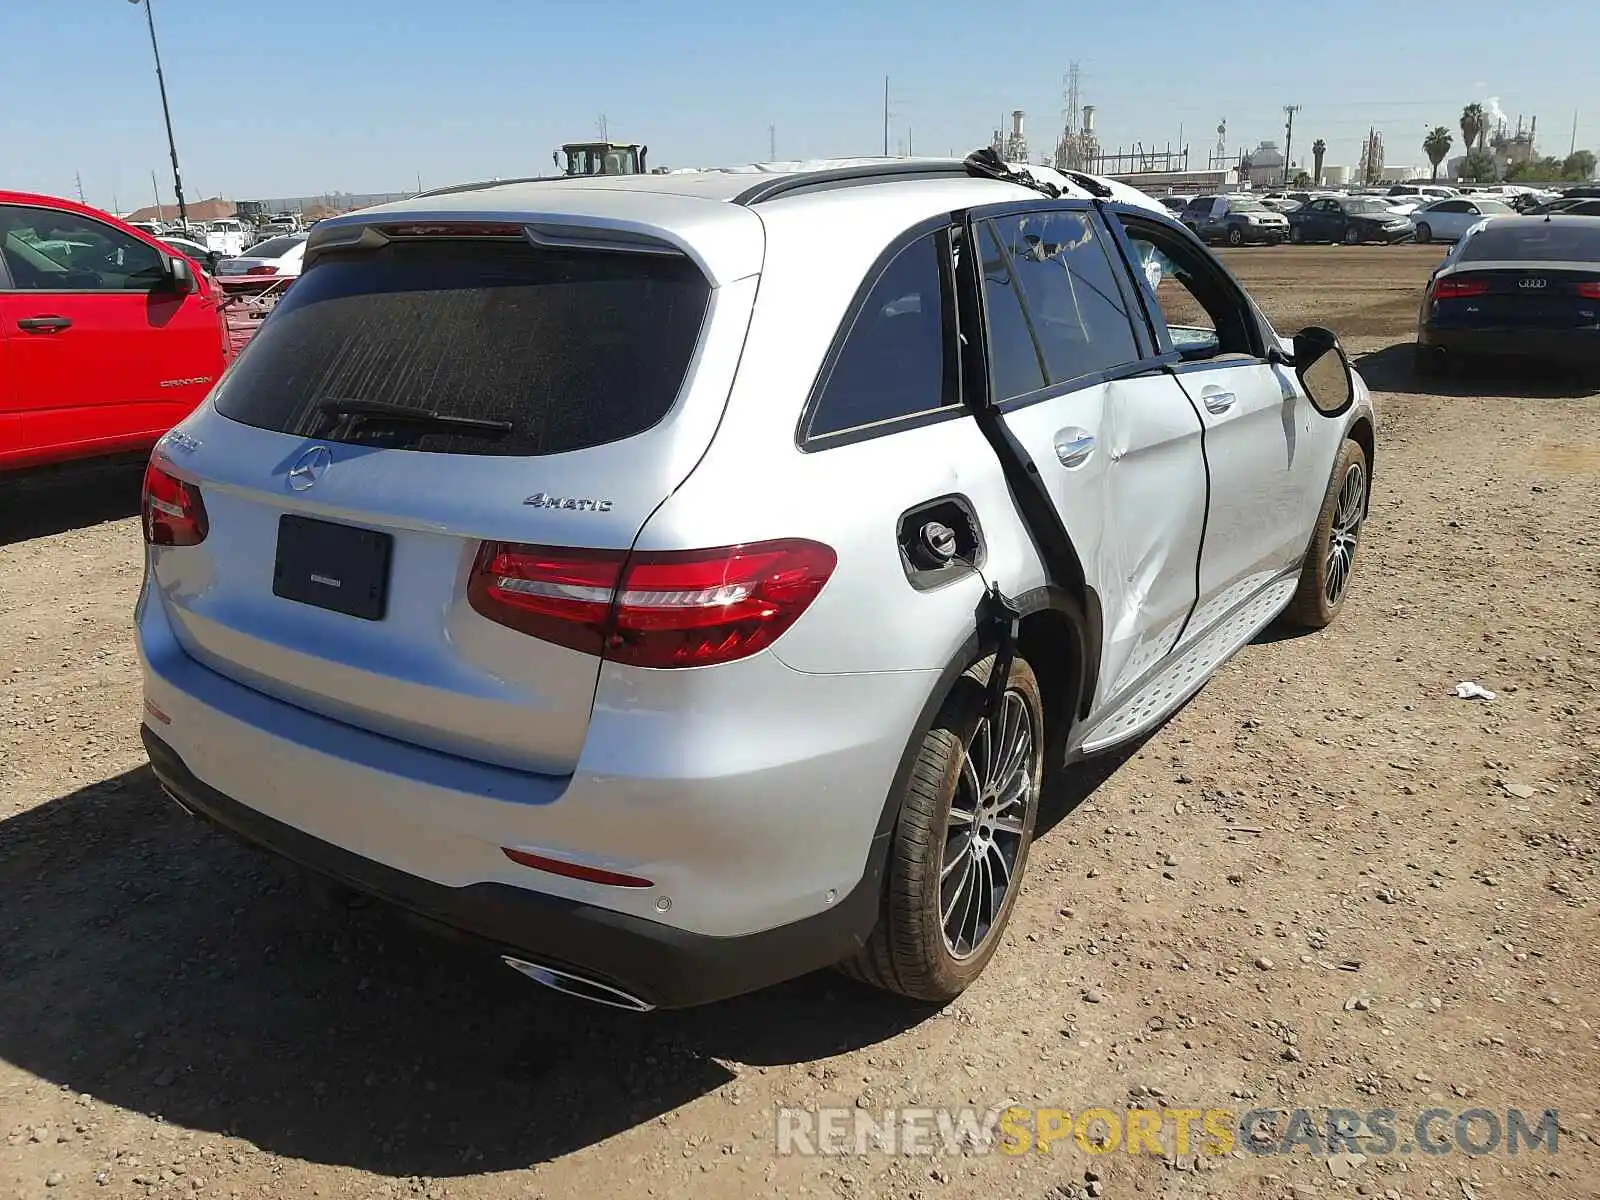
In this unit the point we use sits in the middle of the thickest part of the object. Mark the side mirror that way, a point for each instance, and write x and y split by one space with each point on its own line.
180 275
1324 370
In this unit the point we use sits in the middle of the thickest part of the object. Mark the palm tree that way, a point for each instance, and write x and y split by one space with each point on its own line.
1318 149
1474 125
1436 145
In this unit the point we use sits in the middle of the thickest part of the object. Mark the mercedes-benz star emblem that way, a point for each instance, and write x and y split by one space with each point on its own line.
310 467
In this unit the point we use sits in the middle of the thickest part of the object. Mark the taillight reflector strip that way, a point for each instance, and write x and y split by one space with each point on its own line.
558 866
1590 289
653 609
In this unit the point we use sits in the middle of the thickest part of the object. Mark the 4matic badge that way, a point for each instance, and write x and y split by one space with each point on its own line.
577 504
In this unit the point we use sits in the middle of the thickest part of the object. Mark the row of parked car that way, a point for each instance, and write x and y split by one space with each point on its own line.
1418 214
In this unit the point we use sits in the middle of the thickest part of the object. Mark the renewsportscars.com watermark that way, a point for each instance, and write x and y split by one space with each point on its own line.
1265 1132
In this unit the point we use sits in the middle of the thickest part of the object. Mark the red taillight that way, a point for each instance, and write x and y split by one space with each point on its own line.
1456 287
557 595
262 269
1589 290
174 514
691 608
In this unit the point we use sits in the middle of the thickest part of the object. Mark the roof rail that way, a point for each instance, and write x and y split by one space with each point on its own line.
454 188
980 164
801 181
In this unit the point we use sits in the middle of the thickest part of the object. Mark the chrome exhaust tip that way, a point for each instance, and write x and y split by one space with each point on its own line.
576 986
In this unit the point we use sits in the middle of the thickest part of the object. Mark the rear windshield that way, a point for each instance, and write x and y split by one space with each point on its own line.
1248 206
1535 242
274 247
570 348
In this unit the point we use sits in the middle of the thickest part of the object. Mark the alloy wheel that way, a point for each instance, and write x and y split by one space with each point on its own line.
984 832
1348 514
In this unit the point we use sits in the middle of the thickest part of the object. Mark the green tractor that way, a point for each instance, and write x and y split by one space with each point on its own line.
601 158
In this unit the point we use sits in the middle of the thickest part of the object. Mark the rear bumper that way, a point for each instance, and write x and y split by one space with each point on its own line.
1577 346
662 966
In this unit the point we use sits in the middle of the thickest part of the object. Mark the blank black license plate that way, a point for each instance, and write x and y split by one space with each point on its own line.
333 566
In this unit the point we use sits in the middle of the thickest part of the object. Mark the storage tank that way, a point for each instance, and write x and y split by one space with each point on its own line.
1335 176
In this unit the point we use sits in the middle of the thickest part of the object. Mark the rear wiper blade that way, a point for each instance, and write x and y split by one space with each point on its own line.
354 411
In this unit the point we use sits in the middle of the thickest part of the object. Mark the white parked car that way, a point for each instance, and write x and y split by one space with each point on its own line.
266 264
1448 220
226 236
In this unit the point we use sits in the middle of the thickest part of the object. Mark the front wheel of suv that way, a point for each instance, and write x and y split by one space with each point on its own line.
961 842
1331 558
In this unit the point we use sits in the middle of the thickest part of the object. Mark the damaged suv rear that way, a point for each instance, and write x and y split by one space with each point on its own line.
641 574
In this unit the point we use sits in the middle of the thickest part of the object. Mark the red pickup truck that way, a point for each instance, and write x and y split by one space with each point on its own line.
107 337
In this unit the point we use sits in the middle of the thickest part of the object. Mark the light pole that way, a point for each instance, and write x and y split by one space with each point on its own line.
166 113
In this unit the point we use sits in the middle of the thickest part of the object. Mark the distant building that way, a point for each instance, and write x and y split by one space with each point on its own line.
1156 182
1336 177
1263 166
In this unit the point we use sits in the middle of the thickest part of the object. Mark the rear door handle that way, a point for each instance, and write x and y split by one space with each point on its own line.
1216 400
44 324
1074 447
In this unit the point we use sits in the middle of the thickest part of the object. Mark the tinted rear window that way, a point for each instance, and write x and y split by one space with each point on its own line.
1534 242
274 247
572 348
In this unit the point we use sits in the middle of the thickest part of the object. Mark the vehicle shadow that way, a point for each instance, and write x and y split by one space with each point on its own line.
159 966
1393 369
35 505
1065 791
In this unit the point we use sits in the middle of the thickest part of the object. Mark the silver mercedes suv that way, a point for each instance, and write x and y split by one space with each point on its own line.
681 583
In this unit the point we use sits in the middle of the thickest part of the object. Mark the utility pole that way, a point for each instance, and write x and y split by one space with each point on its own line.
772 143
78 175
156 188
1288 138
166 112
1573 149
886 116
603 135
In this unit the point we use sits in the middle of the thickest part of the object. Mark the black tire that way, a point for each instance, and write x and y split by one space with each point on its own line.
1297 235
1313 607
1235 236
1424 233
1430 362
908 953
1352 236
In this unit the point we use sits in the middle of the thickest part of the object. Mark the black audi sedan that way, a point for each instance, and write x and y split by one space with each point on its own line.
1516 287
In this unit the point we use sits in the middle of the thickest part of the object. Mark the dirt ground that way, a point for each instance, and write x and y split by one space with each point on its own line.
1326 882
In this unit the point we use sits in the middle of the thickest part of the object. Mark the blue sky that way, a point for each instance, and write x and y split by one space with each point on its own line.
289 97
